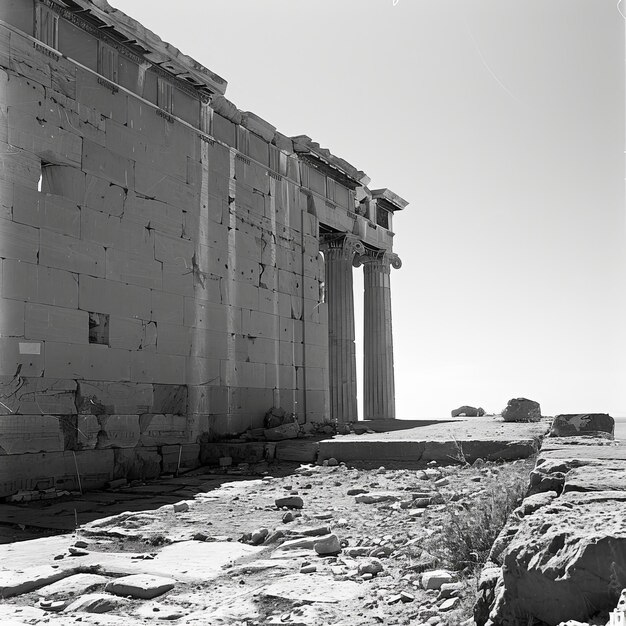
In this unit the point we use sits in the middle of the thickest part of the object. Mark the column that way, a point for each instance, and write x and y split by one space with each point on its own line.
339 253
378 388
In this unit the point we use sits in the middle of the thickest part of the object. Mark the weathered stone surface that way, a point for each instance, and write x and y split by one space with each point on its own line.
522 410
562 560
311 588
280 433
95 603
289 502
327 545
468 411
301 451
436 578
140 586
72 586
608 476
571 425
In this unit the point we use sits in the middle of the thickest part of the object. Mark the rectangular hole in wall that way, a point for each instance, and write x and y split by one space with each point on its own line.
99 328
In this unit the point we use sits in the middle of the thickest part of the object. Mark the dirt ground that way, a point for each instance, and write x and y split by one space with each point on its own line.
406 533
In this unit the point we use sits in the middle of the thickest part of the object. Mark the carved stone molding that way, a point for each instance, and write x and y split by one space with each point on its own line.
347 244
383 258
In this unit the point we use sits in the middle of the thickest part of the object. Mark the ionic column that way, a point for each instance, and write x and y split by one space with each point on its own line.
378 388
339 253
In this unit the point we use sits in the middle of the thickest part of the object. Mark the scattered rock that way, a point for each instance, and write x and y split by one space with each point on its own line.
522 410
327 545
356 491
289 502
371 498
333 462
370 566
72 586
570 425
288 517
141 586
449 604
95 603
450 590
308 569
434 579
468 411
180 507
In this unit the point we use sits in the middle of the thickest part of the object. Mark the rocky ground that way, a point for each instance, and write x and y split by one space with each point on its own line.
298 545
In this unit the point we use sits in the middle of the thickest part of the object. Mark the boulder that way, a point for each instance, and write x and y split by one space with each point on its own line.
327 545
522 410
468 411
572 425
563 561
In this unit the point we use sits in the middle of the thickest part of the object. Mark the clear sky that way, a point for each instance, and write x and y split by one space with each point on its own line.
502 123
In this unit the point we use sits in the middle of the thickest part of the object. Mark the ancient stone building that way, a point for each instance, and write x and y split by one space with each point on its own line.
172 267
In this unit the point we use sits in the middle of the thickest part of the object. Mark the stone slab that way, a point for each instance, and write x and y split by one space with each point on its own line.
141 586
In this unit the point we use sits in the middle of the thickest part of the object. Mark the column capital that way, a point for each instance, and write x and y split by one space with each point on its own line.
384 258
344 243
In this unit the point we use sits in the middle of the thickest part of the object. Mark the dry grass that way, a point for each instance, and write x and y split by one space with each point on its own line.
470 527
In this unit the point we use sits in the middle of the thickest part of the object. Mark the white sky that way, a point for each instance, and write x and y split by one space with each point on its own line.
502 123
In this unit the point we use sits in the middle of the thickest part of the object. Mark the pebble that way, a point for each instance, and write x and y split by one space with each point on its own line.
290 502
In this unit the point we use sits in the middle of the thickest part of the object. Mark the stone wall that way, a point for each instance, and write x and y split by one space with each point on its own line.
161 271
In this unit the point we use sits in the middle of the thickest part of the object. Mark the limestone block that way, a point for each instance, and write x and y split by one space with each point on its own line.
104 163
68 253
185 456
19 356
166 307
204 371
140 586
101 195
26 61
18 241
43 137
126 333
95 96
142 119
163 429
107 296
55 469
20 434
223 129
97 397
202 314
178 279
133 268
32 396
153 183
88 428
56 324
121 233
151 367
582 424
45 211
169 399
210 343
11 318
242 294
118 431
137 463
158 214
260 324
94 361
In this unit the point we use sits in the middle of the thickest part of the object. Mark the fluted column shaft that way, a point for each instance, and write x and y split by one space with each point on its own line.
338 256
379 387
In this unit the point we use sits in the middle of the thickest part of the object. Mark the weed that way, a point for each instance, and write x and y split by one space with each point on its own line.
470 526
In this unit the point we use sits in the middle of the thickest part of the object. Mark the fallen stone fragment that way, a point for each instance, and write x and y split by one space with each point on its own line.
358 551
434 579
407 597
381 551
301 543
394 599
289 502
288 517
72 586
356 491
95 603
442 482
449 604
571 425
327 545
141 586
332 462
522 410
180 507
372 498
308 569
370 566
449 590
259 536
77 551
53 605
467 411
